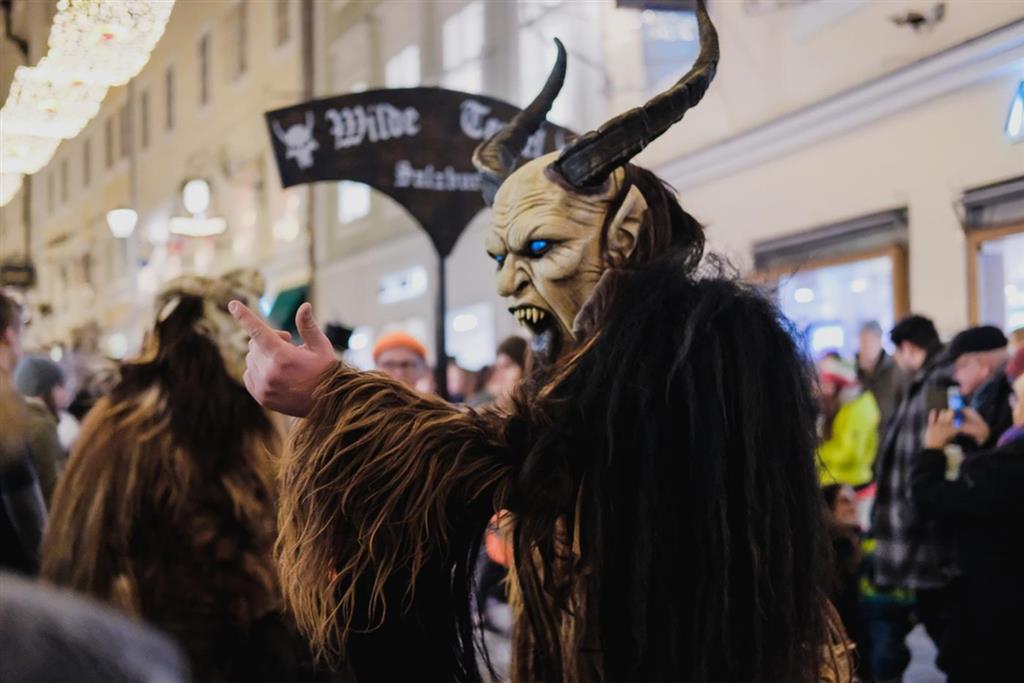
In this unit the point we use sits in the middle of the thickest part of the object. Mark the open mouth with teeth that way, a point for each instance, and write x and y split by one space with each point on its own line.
530 316
547 334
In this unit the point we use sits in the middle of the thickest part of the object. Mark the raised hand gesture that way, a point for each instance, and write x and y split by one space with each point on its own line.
280 376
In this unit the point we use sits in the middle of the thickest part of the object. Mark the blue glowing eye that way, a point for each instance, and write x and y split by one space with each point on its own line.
500 258
538 247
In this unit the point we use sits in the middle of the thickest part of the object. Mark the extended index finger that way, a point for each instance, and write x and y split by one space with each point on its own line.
260 332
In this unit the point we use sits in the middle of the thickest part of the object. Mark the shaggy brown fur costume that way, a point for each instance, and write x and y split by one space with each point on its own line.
656 538
167 509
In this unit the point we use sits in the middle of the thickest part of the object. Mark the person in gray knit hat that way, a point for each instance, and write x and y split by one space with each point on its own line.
43 384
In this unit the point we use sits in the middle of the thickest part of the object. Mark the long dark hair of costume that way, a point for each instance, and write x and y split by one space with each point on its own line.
209 412
167 507
686 422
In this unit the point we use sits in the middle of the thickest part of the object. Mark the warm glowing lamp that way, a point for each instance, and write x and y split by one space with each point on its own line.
122 222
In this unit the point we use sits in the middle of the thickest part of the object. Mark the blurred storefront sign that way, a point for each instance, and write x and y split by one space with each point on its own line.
20 274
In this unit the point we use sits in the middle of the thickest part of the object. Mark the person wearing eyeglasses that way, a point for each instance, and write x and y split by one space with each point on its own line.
979 359
402 357
985 506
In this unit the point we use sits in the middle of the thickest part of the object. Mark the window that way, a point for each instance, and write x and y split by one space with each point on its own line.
671 44
833 278
86 162
996 271
239 29
403 70
828 304
353 201
576 23
204 70
282 22
144 113
463 41
994 223
169 98
126 131
402 285
87 267
470 335
64 181
532 10
108 142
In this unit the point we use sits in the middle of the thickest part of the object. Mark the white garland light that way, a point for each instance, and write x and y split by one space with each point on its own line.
93 45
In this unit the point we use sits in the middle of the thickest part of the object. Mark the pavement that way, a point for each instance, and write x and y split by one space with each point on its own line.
922 667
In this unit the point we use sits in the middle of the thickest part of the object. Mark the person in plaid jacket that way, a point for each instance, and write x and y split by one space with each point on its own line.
912 550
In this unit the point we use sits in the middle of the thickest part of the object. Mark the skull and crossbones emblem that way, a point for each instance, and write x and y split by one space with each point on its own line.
299 140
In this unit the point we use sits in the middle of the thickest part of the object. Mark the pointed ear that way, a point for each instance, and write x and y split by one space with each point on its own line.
624 229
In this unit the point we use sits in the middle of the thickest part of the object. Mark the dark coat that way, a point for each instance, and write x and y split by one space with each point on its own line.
985 505
22 514
992 401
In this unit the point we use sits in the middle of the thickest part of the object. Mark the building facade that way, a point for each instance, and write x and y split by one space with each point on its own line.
193 112
376 269
841 149
861 162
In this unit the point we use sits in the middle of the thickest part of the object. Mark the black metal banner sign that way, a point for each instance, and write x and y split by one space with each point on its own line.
413 144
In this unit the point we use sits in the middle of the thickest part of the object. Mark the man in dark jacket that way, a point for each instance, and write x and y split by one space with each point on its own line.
978 356
912 551
985 506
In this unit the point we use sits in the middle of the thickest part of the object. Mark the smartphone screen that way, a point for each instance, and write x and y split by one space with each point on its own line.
956 403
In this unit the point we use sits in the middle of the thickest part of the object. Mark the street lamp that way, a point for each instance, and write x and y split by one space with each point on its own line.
122 222
195 196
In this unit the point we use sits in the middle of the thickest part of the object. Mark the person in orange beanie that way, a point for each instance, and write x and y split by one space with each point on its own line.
402 357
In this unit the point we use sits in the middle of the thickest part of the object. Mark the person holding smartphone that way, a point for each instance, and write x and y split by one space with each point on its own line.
978 357
985 507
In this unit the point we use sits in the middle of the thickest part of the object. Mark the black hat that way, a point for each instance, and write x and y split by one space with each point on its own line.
976 340
338 335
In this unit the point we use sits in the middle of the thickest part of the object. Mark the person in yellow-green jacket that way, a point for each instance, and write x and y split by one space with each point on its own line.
848 425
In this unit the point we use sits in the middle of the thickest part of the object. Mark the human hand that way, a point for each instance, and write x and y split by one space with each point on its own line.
975 426
280 376
940 429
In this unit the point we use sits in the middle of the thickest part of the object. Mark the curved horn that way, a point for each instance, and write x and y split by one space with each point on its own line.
588 160
495 158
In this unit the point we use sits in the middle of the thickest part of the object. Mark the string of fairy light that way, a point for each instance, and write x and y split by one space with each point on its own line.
93 45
